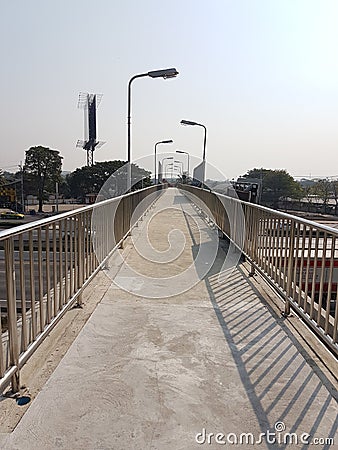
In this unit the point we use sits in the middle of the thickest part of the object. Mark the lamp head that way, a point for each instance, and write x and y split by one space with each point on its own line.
188 122
164 73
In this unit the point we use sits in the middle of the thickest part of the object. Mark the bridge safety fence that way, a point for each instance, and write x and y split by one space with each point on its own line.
297 257
46 264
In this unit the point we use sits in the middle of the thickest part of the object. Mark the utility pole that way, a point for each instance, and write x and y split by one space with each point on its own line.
22 196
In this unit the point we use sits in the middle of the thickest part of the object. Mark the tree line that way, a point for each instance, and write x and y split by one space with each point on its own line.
278 186
42 169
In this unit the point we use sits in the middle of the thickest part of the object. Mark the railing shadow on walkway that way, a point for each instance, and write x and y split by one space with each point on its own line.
268 356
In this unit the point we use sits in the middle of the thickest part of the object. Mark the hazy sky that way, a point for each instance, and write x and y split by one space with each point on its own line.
262 75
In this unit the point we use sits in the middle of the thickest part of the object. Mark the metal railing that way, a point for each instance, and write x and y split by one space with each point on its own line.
45 266
297 257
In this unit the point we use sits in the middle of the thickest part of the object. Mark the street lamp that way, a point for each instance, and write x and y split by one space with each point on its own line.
176 161
163 73
181 151
22 196
169 141
168 157
171 165
189 122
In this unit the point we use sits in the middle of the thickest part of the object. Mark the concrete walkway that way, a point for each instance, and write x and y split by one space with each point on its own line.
177 350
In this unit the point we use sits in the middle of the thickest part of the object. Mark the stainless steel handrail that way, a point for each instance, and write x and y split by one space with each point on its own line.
298 257
47 264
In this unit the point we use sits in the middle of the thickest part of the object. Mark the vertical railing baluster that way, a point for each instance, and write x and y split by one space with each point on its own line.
279 251
329 287
286 243
274 249
314 275
11 313
296 259
32 285
265 241
23 294
271 245
66 271
301 268
87 239
55 281
335 320
307 272
61 286
290 267
321 281
71 257
40 276
80 257
76 253
48 276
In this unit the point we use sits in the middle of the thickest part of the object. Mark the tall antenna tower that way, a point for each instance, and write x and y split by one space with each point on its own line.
89 103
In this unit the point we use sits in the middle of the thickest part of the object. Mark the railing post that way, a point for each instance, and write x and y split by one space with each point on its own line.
253 230
252 272
290 263
11 313
80 258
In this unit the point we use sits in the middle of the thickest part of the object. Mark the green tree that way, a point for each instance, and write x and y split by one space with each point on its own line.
324 190
334 185
64 186
2 178
277 185
42 170
90 179
308 191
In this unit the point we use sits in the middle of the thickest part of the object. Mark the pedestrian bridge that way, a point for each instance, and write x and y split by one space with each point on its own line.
215 323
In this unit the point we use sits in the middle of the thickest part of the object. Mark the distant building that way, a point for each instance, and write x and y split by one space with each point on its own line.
90 198
52 198
31 200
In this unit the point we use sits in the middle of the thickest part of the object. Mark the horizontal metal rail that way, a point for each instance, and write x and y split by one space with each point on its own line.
45 266
297 257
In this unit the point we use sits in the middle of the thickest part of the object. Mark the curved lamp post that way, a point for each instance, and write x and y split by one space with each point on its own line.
163 73
169 141
169 157
181 151
166 169
189 122
173 168
171 165
176 161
